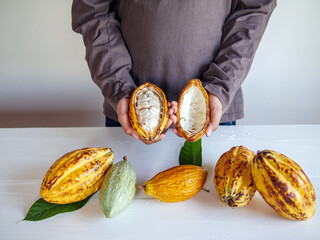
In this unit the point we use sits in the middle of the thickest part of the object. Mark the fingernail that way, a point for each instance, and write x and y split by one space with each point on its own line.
135 136
209 132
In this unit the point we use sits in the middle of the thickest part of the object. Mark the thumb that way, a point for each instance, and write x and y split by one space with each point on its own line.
123 117
215 114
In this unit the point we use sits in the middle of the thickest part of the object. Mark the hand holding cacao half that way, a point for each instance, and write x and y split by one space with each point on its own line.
148 112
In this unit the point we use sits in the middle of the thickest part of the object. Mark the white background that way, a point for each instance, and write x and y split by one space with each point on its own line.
45 81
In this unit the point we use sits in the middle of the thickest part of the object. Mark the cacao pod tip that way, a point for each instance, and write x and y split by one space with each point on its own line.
230 203
206 190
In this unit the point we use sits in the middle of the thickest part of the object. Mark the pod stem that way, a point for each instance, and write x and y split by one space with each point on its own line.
125 158
142 187
204 189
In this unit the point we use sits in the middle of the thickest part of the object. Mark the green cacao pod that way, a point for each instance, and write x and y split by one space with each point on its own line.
118 188
233 177
284 185
76 175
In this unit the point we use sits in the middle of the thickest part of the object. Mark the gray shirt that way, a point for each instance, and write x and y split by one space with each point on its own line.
169 42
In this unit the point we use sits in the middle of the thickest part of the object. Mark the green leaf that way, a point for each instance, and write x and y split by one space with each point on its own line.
42 209
191 153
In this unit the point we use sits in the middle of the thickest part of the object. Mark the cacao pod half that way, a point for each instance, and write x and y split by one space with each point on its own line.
233 177
148 111
283 185
193 111
76 175
176 184
118 188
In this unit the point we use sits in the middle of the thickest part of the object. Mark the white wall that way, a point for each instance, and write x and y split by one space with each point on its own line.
284 82
45 80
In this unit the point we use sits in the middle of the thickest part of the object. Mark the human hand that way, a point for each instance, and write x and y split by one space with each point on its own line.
172 115
123 117
215 107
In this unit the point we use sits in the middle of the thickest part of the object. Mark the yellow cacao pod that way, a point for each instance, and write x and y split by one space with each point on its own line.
233 177
193 111
148 111
76 175
283 185
176 184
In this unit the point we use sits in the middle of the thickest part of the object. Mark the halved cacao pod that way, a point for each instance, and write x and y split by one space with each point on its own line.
148 111
193 111
76 175
233 177
283 185
177 183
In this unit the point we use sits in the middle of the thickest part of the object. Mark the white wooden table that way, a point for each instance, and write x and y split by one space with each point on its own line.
27 153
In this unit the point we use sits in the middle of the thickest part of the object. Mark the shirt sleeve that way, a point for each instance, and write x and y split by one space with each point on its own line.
242 32
106 53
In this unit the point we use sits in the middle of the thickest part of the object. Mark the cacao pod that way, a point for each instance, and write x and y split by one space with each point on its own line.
76 175
233 177
118 188
148 111
193 111
176 184
283 185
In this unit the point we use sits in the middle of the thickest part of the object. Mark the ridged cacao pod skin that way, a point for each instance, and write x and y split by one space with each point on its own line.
118 188
148 111
193 111
76 175
283 185
176 184
233 178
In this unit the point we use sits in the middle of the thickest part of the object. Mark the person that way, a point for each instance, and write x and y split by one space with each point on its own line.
168 43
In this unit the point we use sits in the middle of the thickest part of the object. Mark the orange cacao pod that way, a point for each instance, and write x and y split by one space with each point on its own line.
176 184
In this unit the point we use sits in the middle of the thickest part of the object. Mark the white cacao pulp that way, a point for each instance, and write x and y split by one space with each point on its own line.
148 103
193 111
